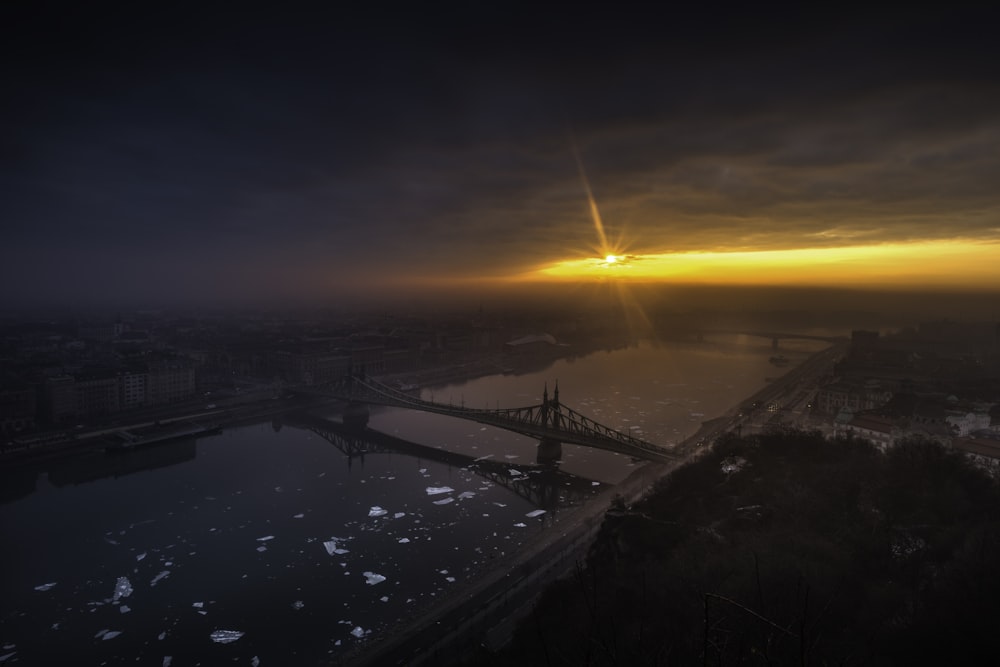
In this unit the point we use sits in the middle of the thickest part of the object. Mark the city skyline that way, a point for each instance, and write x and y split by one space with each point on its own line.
163 155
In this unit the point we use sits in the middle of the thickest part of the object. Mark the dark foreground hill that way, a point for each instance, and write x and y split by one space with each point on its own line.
785 549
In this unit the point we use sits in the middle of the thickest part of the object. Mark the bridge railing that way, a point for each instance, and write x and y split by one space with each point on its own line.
565 419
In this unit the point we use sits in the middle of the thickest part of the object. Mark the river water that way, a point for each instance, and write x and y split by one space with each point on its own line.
267 545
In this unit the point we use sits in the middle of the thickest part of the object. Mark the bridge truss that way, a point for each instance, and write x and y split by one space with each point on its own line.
548 421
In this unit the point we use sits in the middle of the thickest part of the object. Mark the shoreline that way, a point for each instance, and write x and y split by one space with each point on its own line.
485 610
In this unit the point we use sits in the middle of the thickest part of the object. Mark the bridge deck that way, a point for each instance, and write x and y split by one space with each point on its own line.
549 420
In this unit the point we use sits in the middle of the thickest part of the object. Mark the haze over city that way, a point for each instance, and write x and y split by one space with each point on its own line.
166 155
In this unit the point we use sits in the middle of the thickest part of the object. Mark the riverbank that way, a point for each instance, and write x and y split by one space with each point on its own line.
486 610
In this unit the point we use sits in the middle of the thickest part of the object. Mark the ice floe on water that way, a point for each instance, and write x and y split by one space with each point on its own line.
358 632
437 490
255 662
532 514
7 656
106 634
298 516
377 511
444 501
197 605
124 609
162 575
141 556
225 636
167 659
399 515
404 540
298 604
520 525
371 578
332 546
123 588
265 538
466 494
45 587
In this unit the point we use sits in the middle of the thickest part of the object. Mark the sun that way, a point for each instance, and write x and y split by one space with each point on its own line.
610 259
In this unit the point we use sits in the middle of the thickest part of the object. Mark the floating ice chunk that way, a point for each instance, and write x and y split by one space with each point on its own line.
124 609
520 525
371 578
595 483
436 490
515 472
265 539
358 632
255 662
45 587
161 575
262 548
162 636
111 634
298 604
6 656
466 494
384 598
500 504
333 547
123 588
167 659
404 540
511 456
377 511
298 516
399 515
532 514
197 605
225 636
444 501
422 471
141 556
450 580
101 633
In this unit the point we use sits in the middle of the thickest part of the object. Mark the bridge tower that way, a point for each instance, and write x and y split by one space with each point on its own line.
550 449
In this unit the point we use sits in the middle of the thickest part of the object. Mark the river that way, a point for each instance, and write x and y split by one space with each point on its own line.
267 545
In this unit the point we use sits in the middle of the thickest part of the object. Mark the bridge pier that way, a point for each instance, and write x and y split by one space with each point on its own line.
356 415
549 451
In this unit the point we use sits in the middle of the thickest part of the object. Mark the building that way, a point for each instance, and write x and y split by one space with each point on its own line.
133 389
169 381
97 394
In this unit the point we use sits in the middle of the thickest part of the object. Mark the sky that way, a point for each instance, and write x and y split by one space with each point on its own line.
172 153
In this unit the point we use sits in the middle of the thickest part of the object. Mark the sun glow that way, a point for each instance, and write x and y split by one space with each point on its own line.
930 263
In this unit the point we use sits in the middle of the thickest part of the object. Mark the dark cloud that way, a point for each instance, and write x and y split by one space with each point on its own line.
205 151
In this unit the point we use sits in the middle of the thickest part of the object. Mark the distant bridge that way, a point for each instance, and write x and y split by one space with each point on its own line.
544 486
551 422
775 336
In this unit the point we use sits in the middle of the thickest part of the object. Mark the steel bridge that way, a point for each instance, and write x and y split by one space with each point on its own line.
543 486
551 422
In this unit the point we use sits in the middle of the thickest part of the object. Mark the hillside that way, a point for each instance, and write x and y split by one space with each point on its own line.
785 549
